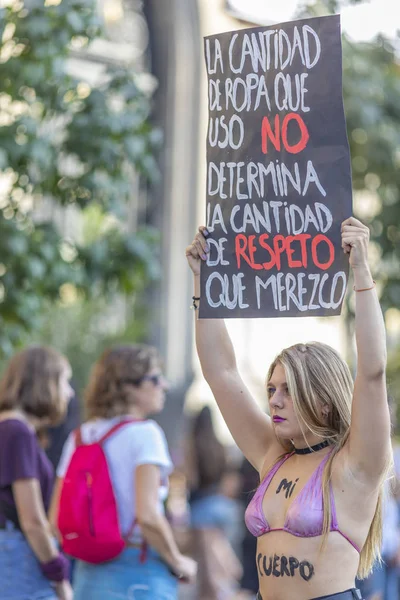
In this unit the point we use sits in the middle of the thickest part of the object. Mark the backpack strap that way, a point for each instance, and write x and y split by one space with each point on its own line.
109 433
116 427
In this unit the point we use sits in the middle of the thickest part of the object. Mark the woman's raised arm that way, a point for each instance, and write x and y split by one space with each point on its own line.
369 447
250 427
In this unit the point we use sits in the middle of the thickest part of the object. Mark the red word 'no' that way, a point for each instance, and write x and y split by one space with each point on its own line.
281 134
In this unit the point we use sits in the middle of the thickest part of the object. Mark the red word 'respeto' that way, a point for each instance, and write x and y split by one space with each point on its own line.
247 246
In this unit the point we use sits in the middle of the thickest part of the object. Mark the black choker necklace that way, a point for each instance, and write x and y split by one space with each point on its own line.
312 448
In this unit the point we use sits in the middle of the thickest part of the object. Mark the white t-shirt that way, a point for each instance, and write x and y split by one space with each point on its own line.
135 444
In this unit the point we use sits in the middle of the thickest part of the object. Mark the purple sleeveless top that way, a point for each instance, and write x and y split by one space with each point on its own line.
21 457
305 515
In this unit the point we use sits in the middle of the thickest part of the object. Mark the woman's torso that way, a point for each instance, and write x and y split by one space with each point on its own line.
137 443
21 457
290 562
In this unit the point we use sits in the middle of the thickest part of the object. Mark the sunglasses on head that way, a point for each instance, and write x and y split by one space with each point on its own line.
155 379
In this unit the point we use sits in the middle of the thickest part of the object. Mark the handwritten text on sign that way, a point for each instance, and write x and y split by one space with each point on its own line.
278 172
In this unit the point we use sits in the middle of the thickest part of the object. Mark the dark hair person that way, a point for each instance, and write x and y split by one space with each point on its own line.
34 392
212 513
127 383
208 454
323 453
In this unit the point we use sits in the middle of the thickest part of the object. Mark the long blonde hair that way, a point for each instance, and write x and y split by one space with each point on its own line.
315 375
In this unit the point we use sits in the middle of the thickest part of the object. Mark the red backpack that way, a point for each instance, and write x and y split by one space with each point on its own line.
87 516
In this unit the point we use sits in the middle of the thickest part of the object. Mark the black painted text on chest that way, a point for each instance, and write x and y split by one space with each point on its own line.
287 487
279 566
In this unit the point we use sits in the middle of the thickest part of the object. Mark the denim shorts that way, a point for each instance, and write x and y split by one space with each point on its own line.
125 578
20 574
212 511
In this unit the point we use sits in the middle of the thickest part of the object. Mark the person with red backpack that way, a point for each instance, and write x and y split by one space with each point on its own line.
112 483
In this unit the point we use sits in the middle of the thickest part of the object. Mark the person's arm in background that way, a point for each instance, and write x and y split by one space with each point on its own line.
32 518
250 427
155 528
37 530
53 510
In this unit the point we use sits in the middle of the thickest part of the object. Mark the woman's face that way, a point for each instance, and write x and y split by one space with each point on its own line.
284 419
150 393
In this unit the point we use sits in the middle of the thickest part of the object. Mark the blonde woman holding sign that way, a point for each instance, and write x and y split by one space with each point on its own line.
323 453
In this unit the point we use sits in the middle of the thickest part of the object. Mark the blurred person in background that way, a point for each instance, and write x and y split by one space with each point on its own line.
126 386
249 581
211 512
382 583
56 436
34 393
53 438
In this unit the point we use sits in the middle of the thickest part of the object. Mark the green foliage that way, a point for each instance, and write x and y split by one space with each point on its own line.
371 88
371 92
63 144
393 382
82 330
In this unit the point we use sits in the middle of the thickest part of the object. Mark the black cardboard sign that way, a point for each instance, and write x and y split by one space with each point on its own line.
278 172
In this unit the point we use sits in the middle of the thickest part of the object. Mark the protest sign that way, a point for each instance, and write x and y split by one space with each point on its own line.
278 172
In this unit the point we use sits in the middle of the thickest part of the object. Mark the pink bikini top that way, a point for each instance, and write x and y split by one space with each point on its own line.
305 515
